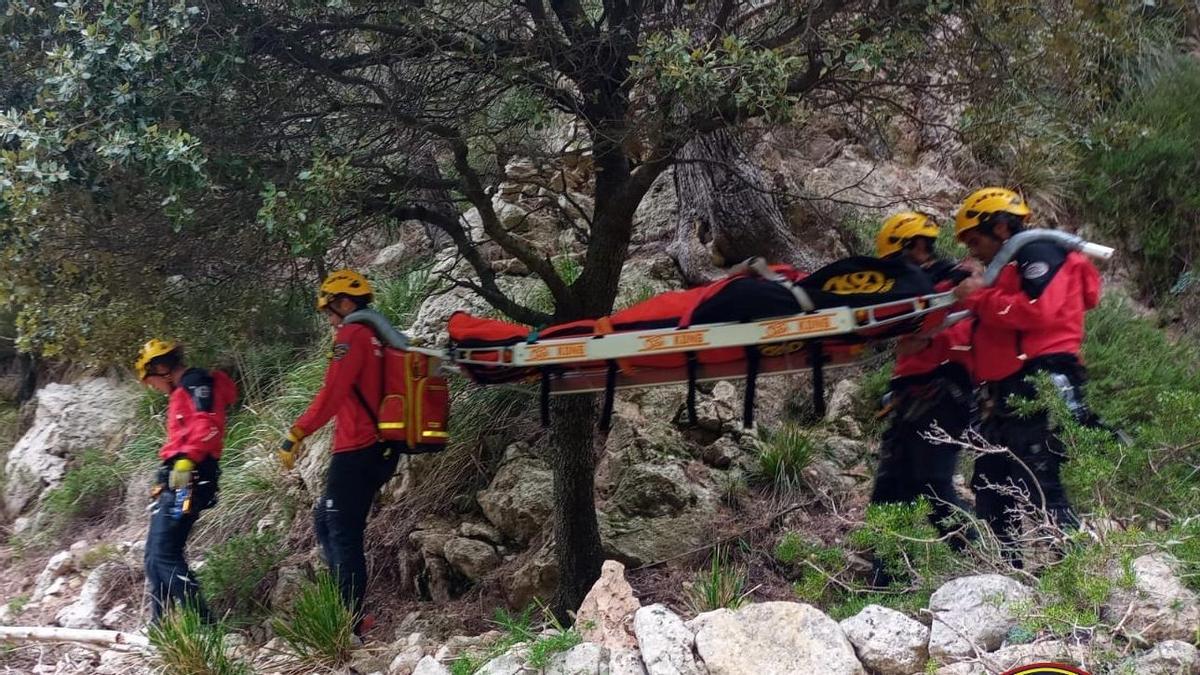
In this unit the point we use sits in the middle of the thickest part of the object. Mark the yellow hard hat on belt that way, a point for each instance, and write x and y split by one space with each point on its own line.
150 351
899 229
342 282
983 203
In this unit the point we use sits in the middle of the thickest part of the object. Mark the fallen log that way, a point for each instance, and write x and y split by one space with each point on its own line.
112 639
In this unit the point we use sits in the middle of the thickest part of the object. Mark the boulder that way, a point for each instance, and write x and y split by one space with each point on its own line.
778 637
88 610
430 666
605 616
537 577
1018 655
405 661
471 557
519 501
586 658
665 642
70 418
973 612
1173 657
653 490
1158 607
625 662
888 642
60 563
509 663
288 582
842 400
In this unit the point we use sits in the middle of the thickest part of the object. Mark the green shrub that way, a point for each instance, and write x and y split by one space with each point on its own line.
1142 180
519 629
398 298
88 490
902 538
235 570
722 585
319 628
185 645
783 455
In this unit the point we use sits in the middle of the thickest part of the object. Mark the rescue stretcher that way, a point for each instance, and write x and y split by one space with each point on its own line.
759 320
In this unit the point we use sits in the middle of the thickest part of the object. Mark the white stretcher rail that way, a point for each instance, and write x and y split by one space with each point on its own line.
629 344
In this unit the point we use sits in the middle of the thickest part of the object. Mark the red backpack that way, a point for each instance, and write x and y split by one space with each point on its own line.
415 407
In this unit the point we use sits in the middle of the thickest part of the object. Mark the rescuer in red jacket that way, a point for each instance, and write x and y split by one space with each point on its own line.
361 464
187 479
931 385
1029 322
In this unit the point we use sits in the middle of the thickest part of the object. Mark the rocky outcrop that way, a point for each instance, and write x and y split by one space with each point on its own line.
518 501
973 614
70 418
781 637
1158 606
888 642
89 608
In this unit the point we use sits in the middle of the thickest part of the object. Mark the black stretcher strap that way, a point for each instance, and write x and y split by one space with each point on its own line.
610 390
544 401
816 361
752 356
693 366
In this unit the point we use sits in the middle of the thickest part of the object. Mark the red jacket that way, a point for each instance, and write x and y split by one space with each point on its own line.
951 344
357 361
1035 308
196 415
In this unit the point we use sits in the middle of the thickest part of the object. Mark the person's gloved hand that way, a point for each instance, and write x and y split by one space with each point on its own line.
181 473
291 448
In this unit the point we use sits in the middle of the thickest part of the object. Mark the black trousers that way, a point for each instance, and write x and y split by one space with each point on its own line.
1037 452
168 576
911 465
340 516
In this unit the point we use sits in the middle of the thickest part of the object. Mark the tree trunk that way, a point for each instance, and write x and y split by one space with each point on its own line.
576 530
726 212
436 200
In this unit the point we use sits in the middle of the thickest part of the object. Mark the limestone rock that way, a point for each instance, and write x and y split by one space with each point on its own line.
779 637
430 666
976 610
888 641
70 418
842 400
625 662
406 661
518 501
87 611
586 658
1173 657
537 577
1158 607
472 557
1018 655
665 642
653 490
59 564
606 615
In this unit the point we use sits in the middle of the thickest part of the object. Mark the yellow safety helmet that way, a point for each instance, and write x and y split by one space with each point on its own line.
899 229
342 282
150 351
985 202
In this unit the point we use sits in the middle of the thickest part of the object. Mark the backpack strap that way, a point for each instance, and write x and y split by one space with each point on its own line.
544 398
693 365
